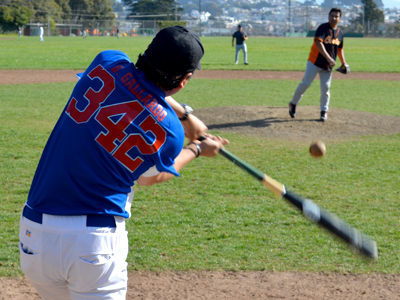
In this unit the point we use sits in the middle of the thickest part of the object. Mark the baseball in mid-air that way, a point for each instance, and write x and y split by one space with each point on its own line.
317 149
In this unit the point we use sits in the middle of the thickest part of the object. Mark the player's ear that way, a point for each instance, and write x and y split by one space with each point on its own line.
185 80
180 86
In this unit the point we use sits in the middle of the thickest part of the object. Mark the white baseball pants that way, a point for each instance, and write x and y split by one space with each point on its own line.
65 259
325 78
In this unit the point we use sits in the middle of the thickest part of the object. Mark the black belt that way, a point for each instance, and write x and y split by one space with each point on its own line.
91 220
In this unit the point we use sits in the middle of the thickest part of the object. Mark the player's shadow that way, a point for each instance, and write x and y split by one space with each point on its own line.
267 122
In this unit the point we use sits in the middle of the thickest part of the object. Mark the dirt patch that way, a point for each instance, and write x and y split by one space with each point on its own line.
239 286
268 122
275 122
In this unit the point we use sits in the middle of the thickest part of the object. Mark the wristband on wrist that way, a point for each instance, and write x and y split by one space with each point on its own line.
198 148
194 152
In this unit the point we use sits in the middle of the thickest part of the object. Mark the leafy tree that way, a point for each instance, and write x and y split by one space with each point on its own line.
153 7
164 24
91 12
355 24
372 12
379 3
397 26
12 16
64 5
40 8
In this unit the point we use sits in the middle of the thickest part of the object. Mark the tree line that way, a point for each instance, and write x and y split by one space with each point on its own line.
15 13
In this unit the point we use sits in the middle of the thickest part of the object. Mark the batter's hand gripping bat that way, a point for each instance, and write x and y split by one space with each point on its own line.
310 209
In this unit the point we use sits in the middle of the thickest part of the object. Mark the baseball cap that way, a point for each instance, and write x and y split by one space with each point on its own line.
175 50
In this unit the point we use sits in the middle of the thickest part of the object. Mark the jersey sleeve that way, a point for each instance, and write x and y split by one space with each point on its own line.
320 34
151 172
109 57
171 149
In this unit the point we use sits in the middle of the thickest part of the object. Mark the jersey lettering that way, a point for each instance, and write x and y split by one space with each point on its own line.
149 124
129 111
328 40
116 141
117 68
94 98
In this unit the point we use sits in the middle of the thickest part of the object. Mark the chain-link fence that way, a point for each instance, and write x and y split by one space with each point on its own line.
299 21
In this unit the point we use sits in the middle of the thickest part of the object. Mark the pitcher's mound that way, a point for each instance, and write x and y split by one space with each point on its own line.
275 122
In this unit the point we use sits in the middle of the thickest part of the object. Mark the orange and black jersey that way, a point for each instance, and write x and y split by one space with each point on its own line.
332 40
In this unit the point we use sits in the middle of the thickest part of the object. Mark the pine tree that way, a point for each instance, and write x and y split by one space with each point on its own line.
373 14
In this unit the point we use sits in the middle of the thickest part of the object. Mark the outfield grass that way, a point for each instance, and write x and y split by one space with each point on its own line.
363 55
216 217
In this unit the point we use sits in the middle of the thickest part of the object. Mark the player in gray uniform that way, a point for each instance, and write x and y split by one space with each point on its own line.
241 38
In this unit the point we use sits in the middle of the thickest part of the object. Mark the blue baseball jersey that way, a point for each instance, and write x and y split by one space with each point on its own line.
115 126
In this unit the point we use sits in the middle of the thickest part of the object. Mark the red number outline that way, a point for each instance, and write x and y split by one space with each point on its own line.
116 131
94 98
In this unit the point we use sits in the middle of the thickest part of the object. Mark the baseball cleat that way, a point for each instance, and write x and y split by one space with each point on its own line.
324 116
292 109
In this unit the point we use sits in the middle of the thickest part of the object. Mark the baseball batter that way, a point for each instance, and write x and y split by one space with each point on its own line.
120 126
328 43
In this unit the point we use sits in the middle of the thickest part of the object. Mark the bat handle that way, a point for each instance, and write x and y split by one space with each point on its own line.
202 137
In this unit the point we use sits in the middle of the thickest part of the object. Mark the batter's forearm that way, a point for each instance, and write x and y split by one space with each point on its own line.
185 157
193 126
179 110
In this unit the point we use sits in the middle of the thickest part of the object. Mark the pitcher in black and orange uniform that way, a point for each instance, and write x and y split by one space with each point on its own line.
328 43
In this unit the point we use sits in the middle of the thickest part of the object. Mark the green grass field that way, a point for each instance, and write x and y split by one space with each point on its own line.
363 55
216 217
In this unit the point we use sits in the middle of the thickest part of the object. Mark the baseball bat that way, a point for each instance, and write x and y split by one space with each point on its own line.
310 209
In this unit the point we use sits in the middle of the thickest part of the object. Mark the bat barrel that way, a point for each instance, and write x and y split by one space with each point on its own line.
334 224
311 210
350 235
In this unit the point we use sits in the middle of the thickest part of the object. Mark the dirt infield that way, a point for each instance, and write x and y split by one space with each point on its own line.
268 122
239 286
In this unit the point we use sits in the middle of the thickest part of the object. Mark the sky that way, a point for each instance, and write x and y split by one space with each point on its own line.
391 3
